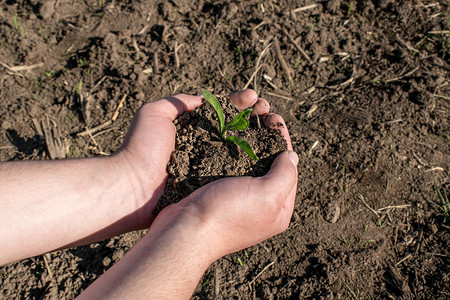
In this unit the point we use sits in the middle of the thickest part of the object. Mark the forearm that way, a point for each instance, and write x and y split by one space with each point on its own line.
166 264
48 205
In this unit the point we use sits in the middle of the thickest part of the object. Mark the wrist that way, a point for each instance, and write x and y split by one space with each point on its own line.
184 230
136 195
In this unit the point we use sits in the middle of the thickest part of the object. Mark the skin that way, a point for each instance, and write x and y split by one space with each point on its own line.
86 200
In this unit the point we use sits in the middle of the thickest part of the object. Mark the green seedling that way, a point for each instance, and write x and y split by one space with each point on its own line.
240 262
80 87
239 122
16 23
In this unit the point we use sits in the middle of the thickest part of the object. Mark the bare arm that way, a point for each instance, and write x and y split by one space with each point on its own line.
48 205
166 264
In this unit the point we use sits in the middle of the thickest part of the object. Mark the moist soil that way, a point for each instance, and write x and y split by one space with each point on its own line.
363 87
201 155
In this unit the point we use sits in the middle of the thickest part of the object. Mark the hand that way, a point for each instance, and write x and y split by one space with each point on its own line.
151 140
239 212
222 217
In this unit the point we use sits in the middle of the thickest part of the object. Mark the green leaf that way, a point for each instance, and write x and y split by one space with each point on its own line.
16 25
239 122
217 107
244 146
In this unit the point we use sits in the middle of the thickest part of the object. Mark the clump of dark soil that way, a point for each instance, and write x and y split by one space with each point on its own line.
201 155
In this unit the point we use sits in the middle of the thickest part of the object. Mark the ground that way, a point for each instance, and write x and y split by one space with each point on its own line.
364 89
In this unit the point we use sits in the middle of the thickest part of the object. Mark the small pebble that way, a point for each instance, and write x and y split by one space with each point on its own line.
332 212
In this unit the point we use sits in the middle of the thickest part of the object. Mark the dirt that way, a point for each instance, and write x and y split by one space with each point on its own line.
201 155
367 105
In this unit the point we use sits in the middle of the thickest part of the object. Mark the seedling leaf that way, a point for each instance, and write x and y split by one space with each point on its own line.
217 107
16 25
240 121
244 146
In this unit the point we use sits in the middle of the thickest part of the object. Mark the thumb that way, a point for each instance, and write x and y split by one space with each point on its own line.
280 180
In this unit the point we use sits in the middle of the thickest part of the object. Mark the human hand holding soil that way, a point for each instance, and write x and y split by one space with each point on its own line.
220 218
151 140
85 200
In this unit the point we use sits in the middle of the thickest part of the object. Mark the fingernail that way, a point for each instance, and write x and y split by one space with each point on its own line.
294 157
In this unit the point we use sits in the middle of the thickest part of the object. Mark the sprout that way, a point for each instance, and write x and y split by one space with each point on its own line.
239 122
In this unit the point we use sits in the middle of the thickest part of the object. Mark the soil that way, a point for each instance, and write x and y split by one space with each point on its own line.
363 87
201 155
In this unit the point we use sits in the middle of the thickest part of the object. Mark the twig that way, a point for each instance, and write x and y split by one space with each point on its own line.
437 254
116 112
394 206
313 108
405 44
251 77
311 6
262 271
439 32
107 123
313 147
441 96
258 66
53 139
259 25
283 63
403 76
216 283
177 58
403 259
98 83
156 61
92 138
6 147
418 242
268 80
105 131
86 103
95 129
371 209
50 273
135 45
351 291
142 31
260 61
436 169
38 127
22 68
280 96
393 121
297 46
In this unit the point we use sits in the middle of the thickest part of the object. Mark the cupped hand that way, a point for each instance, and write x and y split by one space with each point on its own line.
151 139
238 212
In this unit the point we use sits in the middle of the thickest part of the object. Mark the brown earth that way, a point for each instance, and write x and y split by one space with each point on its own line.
364 89
202 156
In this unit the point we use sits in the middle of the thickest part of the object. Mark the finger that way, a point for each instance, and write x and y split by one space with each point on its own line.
173 106
261 107
244 99
282 177
276 122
